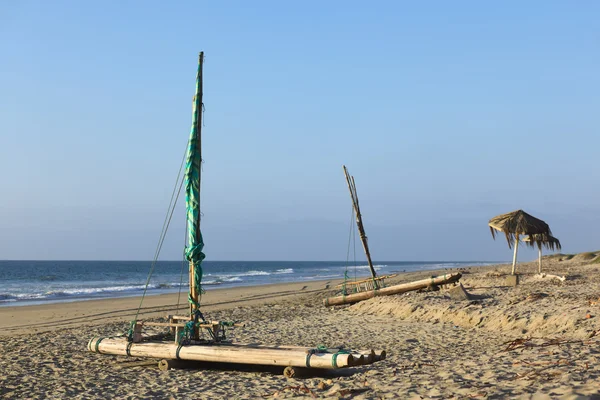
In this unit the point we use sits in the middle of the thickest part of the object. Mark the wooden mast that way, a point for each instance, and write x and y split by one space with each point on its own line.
359 223
198 118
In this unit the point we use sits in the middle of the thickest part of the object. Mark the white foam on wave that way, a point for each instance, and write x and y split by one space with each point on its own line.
248 273
221 280
285 271
376 267
253 273
231 279
77 291
326 276
80 291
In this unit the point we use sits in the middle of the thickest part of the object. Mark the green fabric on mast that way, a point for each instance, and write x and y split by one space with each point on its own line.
195 244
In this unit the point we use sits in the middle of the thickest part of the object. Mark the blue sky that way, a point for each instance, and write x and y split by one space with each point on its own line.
447 113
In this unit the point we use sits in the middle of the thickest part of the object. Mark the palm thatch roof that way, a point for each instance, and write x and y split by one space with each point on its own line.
518 223
548 241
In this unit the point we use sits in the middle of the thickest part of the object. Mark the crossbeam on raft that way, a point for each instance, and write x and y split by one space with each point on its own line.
178 325
216 327
396 289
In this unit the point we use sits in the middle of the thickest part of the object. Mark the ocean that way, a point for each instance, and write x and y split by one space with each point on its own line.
38 282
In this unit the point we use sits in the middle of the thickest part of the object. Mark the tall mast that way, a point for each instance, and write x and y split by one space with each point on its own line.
193 171
359 224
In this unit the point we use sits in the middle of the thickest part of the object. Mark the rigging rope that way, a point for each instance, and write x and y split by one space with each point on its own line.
354 250
172 204
351 235
182 268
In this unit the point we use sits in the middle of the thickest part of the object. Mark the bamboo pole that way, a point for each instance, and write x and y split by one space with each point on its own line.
221 353
514 264
198 120
359 223
369 355
132 364
381 356
192 290
396 289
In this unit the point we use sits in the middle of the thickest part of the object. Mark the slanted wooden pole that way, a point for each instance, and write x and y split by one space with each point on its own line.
514 264
395 289
359 223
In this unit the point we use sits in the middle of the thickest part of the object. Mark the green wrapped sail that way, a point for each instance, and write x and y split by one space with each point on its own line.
195 244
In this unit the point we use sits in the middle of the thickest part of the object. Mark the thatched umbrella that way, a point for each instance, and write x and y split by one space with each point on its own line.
515 224
548 241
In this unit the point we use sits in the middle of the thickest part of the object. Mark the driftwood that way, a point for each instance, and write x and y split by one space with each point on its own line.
132 364
550 276
359 223
396 289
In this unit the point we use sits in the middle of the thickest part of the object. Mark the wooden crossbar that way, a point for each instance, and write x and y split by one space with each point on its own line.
179 325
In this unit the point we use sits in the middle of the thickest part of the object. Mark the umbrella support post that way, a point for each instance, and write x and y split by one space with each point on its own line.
540 260
514 264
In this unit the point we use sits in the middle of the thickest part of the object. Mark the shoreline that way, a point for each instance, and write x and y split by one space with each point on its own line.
49 316
38 283
17 319
540 337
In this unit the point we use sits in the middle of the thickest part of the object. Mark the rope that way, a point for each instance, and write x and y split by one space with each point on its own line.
183 262
161 239
354 250
346 277
98 343
308 355
335 356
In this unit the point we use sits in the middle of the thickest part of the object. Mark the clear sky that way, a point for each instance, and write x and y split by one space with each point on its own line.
446 113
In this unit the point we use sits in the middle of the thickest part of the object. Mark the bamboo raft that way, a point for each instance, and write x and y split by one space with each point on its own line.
189 331
395 289
222 351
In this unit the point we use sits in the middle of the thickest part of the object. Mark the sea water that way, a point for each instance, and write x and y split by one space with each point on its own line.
35 282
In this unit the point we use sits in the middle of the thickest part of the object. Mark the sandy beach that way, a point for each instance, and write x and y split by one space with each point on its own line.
540 339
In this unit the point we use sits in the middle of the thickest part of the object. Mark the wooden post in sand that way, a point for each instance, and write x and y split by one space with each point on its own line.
540 259
514 264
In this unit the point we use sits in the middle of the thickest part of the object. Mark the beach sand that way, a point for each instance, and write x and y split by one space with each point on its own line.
537 340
